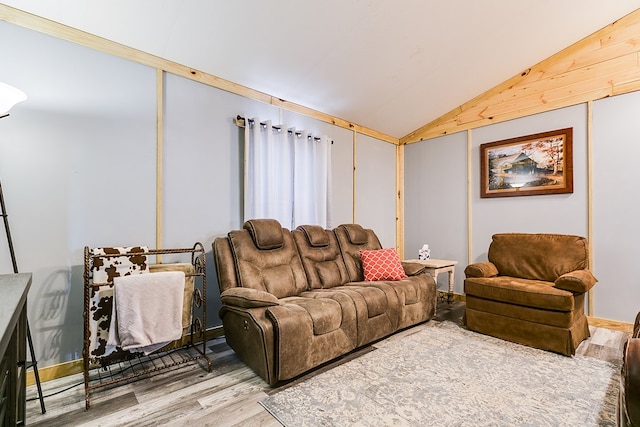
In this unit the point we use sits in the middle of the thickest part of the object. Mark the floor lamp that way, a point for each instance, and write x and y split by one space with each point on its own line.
10 96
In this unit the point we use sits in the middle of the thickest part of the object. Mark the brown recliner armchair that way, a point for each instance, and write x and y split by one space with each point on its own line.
629 402
531 291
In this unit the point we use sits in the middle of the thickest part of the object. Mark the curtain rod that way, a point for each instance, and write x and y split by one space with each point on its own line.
242 122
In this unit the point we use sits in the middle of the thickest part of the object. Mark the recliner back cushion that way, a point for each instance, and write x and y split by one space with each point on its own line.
266 233
538 256
277 271
352 238
320 256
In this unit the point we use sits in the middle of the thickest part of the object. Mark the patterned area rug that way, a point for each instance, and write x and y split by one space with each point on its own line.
445 375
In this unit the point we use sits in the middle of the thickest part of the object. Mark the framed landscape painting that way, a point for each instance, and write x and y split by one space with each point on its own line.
528 165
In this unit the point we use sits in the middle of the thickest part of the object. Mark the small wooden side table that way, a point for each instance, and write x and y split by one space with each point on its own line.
436 266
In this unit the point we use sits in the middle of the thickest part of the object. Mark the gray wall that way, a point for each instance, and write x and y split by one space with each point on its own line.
77 162
616 206
441 163
555 213
376 188
436 202
78 168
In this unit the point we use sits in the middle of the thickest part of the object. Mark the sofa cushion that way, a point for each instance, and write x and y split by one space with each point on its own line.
277 270
325 313
382 264
317 236
525 292
331 273
266 233
356 234
376 299
537 256
352 238
322 263
410 290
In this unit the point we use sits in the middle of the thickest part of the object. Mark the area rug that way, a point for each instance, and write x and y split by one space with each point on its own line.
445 375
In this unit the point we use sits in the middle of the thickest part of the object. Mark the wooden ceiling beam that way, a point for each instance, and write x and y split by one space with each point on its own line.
603 64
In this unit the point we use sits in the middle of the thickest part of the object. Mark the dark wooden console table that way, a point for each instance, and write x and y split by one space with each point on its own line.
13 347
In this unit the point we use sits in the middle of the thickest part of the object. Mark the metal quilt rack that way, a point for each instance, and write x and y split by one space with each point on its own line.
126 366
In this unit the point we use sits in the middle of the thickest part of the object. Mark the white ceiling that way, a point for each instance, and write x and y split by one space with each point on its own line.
389 66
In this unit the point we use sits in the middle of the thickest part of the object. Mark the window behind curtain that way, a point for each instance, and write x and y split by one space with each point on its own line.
287 175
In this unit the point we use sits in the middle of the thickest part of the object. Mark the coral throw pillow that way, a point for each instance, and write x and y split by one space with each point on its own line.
382 264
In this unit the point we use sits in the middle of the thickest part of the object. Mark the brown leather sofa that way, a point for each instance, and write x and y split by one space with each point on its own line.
531 291
629 402
293 300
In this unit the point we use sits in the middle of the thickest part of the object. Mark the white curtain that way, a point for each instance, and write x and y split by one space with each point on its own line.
287 175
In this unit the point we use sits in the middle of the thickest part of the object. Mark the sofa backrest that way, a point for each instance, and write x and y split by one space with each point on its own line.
538 256
266 258
321 257
352 238
225 264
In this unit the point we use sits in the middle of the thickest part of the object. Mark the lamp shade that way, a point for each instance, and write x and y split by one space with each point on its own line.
9 96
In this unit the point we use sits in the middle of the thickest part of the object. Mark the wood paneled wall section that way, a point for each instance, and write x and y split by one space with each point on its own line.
603 64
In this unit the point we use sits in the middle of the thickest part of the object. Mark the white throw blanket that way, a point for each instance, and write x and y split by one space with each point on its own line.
147 310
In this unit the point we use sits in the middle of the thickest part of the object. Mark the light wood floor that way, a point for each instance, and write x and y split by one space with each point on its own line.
228 396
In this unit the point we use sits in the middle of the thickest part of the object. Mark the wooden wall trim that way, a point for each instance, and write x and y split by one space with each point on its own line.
469 199
610 324
159 151
603 64
400 200
46 26
590 298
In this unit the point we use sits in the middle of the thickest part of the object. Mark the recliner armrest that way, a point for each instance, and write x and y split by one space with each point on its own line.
248 298
481 269
579 281
630 383
412 268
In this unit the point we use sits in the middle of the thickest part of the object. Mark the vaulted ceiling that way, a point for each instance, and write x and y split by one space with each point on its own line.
388 66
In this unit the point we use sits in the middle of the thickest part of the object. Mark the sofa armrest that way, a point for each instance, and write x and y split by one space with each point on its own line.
248 298
225 264
294 338
412 268
579 281
481 269
630 383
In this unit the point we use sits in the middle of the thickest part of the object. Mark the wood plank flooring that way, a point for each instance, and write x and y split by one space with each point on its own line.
228 396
